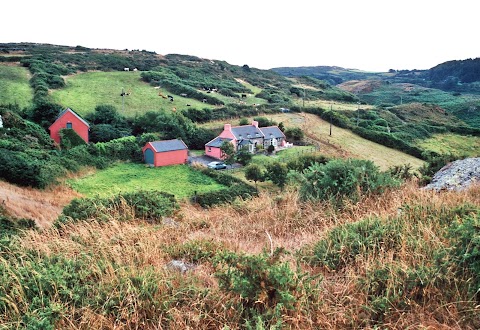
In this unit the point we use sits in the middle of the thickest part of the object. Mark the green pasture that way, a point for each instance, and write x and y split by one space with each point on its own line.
455 144
179 180
87 90
14 86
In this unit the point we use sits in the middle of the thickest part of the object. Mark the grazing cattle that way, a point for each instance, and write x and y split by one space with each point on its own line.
183 94
135 69
188 105
244 96
204 100
126 69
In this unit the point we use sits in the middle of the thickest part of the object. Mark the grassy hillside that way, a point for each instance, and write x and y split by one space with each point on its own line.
14 86
85 91
455 144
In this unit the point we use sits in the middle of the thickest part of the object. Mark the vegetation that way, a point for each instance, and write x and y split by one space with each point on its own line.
14 86
179 180
339 244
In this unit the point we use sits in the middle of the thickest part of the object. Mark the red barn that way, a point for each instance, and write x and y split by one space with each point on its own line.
164 153
69 119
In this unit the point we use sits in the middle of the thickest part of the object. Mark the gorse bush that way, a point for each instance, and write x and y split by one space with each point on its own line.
344 243
465 249
145 205
265 286
343 179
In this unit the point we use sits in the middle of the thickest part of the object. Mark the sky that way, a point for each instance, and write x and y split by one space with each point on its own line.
369 35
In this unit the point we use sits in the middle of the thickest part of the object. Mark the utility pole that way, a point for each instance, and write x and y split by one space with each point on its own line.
330 120
123 101
358 112
303 97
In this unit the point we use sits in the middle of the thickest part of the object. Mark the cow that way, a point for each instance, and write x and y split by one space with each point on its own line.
126 69
183 94
244 96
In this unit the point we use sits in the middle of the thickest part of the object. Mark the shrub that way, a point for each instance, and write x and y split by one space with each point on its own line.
344 179
303 162
465 251
69 138
145 205
267 288
344 243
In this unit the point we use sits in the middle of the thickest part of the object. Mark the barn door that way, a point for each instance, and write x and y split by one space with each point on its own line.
149 156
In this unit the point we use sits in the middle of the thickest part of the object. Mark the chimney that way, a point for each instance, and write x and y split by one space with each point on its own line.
255 123
227 127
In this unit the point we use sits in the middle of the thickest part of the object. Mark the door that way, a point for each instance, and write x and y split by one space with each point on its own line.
149 156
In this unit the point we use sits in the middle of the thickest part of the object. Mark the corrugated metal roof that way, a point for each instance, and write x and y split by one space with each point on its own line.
217 142
168 145
273 130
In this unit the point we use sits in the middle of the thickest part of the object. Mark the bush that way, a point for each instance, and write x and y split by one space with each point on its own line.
69 139
344 243
465 251
145 205
266 287
343 179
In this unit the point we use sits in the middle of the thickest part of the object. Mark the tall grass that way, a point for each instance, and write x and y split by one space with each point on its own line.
122 266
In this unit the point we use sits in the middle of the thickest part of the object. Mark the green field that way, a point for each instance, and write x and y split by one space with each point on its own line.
455 144
87 90
179 180
14 86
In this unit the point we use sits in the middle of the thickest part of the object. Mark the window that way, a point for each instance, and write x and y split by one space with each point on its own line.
69 125
209 149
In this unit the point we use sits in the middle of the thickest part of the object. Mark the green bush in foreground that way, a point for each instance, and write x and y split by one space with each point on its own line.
343 179
146 205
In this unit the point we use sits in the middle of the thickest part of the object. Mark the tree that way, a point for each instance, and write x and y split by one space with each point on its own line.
253 172
228 152
243 156
294 133
277 173
243 121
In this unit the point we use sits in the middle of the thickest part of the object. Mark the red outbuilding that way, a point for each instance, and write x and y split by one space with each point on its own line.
164 153
69 119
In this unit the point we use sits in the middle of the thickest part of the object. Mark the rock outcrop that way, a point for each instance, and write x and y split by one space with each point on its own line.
458 175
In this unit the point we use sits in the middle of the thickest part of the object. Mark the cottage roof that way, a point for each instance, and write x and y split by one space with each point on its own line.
217 142
168 145
244 142
246 132
272 131
73 113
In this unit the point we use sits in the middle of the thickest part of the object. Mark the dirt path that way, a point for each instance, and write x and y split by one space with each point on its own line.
43 206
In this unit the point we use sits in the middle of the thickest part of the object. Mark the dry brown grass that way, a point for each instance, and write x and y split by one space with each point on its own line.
242 227
43 206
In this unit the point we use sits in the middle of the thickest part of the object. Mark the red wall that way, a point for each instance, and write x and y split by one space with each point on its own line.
170 157
61 123
214 152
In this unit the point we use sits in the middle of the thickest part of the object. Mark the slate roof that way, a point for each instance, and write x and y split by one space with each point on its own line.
274 130
217 142
244 142
168 145
73 112
246 132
